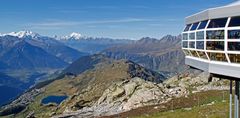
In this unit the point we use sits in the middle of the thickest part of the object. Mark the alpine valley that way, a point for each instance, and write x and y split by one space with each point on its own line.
84 77
27 58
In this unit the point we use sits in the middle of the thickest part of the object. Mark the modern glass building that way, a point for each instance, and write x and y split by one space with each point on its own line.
211 40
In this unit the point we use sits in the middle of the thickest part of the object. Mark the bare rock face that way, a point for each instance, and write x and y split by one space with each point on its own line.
123 96
131 94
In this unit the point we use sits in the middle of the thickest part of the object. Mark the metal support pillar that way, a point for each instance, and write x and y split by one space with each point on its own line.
230 100
236 100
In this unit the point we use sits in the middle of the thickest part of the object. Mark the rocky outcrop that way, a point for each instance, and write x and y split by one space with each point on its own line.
130 94
126 95
110 87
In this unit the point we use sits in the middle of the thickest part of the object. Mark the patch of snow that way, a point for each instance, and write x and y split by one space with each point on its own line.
74 36
22 34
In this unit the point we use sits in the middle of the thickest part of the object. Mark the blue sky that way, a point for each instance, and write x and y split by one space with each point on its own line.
101 18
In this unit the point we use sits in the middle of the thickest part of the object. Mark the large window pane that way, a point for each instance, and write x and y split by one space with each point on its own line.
194 53
185 36
235 21
215 45
185 44
217 23
203 25
192 44
200 45
234 58
192 36
215 34
202 55
194 26
217 56
234 46
200 35
234 34
187 28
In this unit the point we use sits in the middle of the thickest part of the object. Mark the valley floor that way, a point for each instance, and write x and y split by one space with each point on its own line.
208 104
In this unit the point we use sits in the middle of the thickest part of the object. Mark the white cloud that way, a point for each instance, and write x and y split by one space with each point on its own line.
61 24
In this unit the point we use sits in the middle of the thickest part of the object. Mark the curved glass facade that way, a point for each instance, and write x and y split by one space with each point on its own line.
213 40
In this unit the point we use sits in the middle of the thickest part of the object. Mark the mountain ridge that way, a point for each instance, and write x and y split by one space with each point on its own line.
87 84
163 54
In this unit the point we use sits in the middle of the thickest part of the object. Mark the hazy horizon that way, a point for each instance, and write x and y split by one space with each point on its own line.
119 19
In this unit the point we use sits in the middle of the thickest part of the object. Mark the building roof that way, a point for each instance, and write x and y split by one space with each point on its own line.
229 10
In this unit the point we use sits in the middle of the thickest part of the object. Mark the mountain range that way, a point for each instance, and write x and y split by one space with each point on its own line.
84 81
162 55
99 86
28 50
85 71
27 57
91 45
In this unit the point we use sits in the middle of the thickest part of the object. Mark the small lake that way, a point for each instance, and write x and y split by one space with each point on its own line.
53 99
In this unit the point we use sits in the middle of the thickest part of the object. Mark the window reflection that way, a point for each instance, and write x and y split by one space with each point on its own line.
200 45
215 34
200 35
185 44
192 44
234 34
202 55
234 58
185 36
192 36
187 28
235 21
215 45
217 56
217 23
194 26
194 53
203 24
234 46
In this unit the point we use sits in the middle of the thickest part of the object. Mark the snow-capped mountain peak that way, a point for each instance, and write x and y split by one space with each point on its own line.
73 36
22 34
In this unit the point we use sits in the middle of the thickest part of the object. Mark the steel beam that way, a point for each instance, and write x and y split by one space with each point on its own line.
230 100
236 108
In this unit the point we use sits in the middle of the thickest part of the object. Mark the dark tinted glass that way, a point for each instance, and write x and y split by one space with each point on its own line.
215 34
217 56
203 24
200 44
200 35
185 36
185 44
202 54
217 23
194 26
187 53
234 34
215 45
234 46
192 36
234 58
192 44
194 53
235 21
187 27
